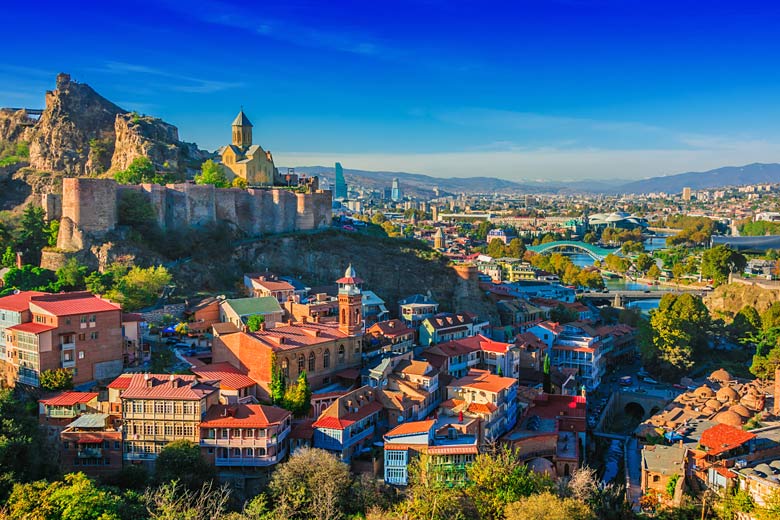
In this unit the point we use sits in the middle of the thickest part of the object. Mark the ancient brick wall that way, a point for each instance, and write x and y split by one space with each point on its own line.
89 208
52 205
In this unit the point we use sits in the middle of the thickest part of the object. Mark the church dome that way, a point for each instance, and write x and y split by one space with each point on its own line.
730 418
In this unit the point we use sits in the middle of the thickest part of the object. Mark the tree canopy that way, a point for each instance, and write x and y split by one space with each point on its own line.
212 173
181 461
718 262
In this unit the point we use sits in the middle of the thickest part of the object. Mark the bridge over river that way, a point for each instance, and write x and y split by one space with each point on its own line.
595 252
628 295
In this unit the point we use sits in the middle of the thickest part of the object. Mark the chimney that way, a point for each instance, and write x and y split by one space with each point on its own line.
262 326
317 318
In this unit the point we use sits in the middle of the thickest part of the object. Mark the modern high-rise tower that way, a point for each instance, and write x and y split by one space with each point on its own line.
395 193
341 184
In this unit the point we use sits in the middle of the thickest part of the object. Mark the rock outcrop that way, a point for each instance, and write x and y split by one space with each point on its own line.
75 119
144 136
728 299
81 133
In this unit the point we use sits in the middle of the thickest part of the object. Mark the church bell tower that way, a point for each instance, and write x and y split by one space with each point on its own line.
242 130
350 303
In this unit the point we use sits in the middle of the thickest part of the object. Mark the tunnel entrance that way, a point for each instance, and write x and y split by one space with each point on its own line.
635 410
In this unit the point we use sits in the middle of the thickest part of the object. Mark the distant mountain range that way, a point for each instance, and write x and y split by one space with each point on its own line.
756 173
424 185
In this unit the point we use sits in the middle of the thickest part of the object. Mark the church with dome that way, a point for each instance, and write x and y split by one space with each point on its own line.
248 161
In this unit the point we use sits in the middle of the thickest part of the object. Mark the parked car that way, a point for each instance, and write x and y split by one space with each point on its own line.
347 227
650 381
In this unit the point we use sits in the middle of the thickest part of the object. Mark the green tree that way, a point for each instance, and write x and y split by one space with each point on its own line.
141 170
297 397
173 501
32 234
589 238
140 287
433 496
770 318
311 485
239 182
767 356
482 230
70 277
561 314
496 480
278 383
718 262
53 231
23 451
654 272
643 262
496 248
29 278
212 173
546 506
547 384
76 497
678 330
56 379
734 502
182 462
255 322
746 321
378 218
9 257
516 248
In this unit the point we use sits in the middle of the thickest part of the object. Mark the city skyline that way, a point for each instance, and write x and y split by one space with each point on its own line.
554 91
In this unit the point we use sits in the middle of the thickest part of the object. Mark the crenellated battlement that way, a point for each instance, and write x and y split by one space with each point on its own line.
90 207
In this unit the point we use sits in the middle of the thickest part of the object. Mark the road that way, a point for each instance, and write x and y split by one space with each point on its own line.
633 473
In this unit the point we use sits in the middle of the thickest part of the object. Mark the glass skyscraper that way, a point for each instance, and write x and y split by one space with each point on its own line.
341 184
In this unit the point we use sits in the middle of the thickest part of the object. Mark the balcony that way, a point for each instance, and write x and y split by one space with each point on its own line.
139 456
89 453
266 460
353 438
68 363
62 413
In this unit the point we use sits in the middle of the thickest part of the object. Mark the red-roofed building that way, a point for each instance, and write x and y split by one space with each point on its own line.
458 356
76 331
91 444
267 284
447 327
234 385
245 435
322 349
726 442
160 408
490 397
56 411
391 336
348 425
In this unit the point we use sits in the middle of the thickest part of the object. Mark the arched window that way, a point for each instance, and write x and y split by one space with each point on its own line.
312 362
285 368
343 315
357 315
260 452
341 355
248 452
326 359
301 363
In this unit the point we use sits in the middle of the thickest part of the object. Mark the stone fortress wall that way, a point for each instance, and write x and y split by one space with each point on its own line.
89 207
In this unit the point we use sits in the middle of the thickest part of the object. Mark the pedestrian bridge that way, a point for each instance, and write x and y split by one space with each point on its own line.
595 252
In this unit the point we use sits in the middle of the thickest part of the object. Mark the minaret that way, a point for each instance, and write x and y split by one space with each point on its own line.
350 303
242 130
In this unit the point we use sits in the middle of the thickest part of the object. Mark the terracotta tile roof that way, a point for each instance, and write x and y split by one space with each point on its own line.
484 380
391 329
722 437
229 377
411 428
286 337
272 285
32 328
414 368
225 328
132 316
302 430
68 304
18 302
90 439
121 382
166 386
453 450
69 398
725 472
350 418
528 339
483 408
243 416
480 342
552 326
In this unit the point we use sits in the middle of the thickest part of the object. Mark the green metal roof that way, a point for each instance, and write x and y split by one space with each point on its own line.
250 306
90 420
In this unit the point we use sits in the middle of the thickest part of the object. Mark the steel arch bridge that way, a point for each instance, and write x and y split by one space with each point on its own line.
595 252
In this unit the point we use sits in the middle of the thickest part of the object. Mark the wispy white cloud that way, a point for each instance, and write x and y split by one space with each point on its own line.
184 83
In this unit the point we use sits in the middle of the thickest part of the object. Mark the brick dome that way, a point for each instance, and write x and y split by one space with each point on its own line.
730 418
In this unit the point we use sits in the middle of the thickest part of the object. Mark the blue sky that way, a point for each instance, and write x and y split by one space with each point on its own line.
537 89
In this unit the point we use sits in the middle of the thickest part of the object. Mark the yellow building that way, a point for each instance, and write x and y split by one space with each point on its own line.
249 161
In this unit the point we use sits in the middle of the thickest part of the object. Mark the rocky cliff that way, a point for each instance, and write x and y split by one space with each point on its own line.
82 133
728 299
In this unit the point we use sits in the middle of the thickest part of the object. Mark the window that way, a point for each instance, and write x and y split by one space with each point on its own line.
67 321
83 319
326 359
82 337
341 355
301 363
81 354
92 318
285 368
93 335
312 362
